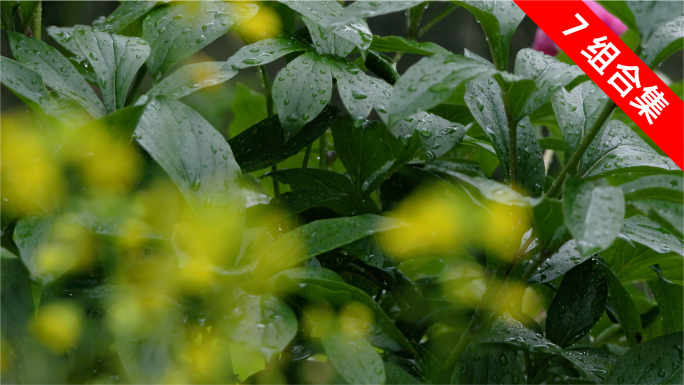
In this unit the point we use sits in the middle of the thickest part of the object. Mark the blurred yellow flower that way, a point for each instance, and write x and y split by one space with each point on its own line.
356 319
58 326
266 23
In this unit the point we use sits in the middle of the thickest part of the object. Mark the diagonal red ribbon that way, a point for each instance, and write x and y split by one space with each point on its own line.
618 71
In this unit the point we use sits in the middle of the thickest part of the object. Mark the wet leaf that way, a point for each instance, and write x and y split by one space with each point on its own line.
618 149
365 9
593 214
430 82
354 358
509 331
399 44
670 298
439 135
17 300
354 87
57 72
594 363
126 14
192 152
499 20
115 59
656 361
566 258
178 30
65 37
547 215
262 144
669 215
630 261
666 40
327 42
396 375
488 364
642 230
665 187
290 203
263 322
529 160
191 78
263 52
644 16
577 111
31 235
301 91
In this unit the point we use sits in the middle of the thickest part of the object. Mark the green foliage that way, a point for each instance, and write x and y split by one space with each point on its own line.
352 224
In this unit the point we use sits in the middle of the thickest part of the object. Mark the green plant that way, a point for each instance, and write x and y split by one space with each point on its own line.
430 243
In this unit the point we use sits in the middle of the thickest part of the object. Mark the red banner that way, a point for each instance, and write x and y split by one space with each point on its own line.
618 71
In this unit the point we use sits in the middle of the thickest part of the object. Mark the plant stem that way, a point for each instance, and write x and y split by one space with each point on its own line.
450 8
305 163
37 21
584 144
136 85
512 135
266 83
322 153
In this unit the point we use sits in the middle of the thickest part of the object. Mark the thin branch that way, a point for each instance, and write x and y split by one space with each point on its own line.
450 8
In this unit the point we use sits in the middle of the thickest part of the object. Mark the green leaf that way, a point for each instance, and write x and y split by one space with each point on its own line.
115 59
578 304
319 237
57 72
249 108
665 187
399 44
649 233
644 16
301 91
17 300
499 20
626 311
398 376
670 298
547 215
324 12
262 144
513 332
264 51
430 82
65 37
365 9
355 88
549 75
316 178
191 78
594 363
630 261
370 153
126 14
292 202
618 149
327 42
263 322
381 65
566 258
667 40
668 214
621 10
439 135
488 364
577 111
32 235
192 152
308 272
354 358
28 86
529 160
178 30
593 214
659 361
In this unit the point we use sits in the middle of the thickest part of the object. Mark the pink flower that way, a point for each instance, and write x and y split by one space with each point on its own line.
543 43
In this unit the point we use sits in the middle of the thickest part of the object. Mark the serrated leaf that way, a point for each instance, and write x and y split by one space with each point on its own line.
370 153
488 364
625 309
262 144
264 51
430 82
618 149
17 300
324 12
366 9
354 358
577 111
667 40
549 75
578 304
115 59
176 31
327 42
566 258
593 214
529 160
192 152
399 44
670 298
263 322
318 237
57 72
499 20
126 14
439 135
191 78
28 86
642 230
301 91
659 361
